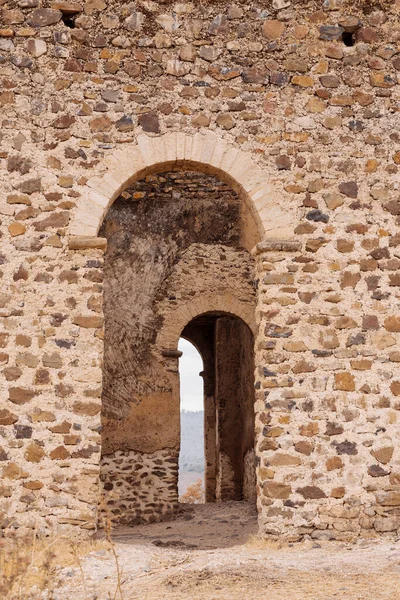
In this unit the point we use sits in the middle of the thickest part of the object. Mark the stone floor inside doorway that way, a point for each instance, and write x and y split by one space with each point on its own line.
211 552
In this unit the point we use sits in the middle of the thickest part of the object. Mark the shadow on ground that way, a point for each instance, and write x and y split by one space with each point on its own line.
197 527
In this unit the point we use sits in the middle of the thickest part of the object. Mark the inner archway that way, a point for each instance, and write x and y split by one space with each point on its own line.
226 345
177 252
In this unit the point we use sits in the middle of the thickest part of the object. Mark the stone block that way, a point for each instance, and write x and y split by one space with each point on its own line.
345 381
275 490
84 243
104 189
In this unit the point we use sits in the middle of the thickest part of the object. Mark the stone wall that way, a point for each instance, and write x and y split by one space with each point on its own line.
328 403
138 487
234 398
298 104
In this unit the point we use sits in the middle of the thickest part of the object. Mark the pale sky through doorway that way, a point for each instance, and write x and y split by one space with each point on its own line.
190 365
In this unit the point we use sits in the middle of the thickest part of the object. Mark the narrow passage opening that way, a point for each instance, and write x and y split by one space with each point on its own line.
191 456
348 38
69 21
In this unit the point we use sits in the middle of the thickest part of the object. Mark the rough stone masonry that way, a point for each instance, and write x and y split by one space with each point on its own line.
294 107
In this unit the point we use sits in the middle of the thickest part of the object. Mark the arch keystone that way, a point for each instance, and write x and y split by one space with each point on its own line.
180 146
188 147
197 147
210 141
170 147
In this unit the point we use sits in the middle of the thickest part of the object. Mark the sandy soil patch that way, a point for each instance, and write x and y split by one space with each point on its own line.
211 553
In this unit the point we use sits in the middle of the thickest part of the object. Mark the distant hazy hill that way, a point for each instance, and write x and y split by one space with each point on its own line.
191 459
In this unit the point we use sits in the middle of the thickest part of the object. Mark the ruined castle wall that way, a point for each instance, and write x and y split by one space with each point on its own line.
312 95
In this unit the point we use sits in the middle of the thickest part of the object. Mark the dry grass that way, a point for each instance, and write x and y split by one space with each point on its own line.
194 494
30 568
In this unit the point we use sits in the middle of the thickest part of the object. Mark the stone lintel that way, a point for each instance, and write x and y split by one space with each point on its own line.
77 242
277 246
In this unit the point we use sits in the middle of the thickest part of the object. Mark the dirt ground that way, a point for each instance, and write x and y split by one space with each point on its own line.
211 553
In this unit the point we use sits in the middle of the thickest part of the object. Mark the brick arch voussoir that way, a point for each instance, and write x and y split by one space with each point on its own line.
208 153
169 335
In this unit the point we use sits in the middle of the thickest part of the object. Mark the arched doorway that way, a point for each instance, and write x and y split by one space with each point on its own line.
226 345
177 263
